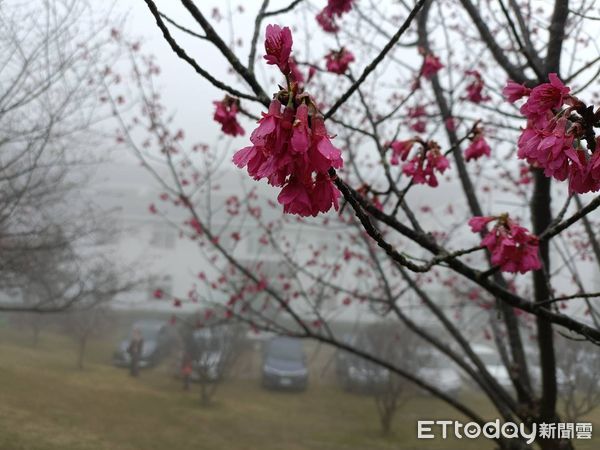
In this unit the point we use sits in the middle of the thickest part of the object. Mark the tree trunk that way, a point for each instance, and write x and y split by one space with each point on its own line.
542 217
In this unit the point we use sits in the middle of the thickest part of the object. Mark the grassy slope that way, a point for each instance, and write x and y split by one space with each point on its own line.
45 403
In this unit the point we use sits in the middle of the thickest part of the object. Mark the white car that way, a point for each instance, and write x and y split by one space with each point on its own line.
439 371
492 362
445 378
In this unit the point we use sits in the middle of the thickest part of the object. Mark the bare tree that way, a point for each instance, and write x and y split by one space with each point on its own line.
210 350
579 390
91 315
401 347
55 57
425 94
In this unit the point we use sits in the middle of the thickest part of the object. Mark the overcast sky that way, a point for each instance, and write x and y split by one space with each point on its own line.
190 96
183 89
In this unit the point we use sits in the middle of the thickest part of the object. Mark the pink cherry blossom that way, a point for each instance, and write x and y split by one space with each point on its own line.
295 198
545 97
278 45
338 62
326 155
475 88
400 150
301 132
225 113
334 8
552 140
292 149
511 246
256 155
338 7
515 91
416 111
324 195
478 223
584 174
549 148
326 22
478 148
431 66
419 126
423 168
555 149
594 168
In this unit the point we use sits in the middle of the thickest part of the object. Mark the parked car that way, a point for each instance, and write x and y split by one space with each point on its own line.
572 373
208 350
209 356
492 362
439 371
355 373
284 364
157 343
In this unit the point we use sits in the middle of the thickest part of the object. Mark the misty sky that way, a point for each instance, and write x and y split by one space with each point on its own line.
183 90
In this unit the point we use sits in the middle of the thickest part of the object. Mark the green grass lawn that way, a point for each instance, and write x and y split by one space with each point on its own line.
46 403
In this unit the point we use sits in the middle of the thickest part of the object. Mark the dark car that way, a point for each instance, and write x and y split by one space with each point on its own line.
284 364
355 373
157 343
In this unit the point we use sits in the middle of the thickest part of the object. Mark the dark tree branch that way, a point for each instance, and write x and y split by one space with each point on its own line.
357 203
533 61
284 10
558 228
235 63
557 27
498 53
257 23
182 28
181 53
371 67
542 217
522 380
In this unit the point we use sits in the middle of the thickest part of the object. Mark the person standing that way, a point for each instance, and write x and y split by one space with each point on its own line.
135 352
186 370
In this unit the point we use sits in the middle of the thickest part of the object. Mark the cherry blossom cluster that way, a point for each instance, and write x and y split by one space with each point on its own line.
226 114
326 18
431 66
278 45
338 61
478 146
557 125
475 88
418 114
512 248
424 163
291 147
